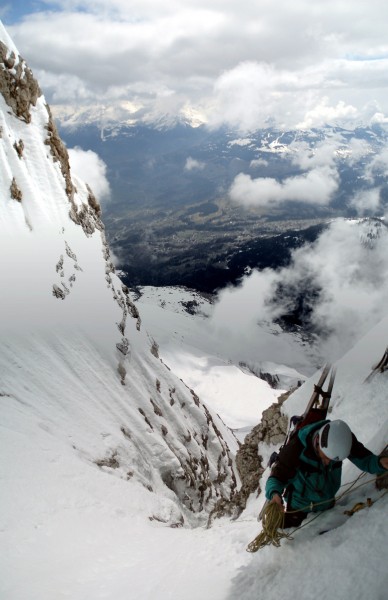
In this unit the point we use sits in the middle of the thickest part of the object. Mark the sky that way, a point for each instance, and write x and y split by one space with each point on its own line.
246 64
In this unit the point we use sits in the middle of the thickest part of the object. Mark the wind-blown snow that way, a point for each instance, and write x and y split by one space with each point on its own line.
95 475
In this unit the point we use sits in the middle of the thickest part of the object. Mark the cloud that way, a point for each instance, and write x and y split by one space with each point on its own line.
256 94
379 118
323 154
315 187
247 64
357 149
193 164
347 267
318 177
323 114
259 162
89 167
367 202
378 166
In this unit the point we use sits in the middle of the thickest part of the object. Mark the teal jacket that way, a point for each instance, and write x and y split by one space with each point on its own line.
308 484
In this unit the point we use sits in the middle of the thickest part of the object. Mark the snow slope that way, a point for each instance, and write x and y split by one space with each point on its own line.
74 532
351 558
109 463
75 362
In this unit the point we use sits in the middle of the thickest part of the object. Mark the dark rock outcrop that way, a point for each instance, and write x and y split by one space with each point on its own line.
272 430
17 84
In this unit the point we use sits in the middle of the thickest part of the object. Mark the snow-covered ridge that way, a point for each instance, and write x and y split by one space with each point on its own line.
78 373
123 114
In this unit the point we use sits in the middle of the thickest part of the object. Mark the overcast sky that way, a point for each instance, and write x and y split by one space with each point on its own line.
249 63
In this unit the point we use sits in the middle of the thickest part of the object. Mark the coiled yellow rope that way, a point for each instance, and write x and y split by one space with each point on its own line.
272 533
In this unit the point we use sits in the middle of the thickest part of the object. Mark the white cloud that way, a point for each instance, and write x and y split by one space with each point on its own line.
367 202
323 114
247 96
89 167
314 187
322 154
241 142
259 162
357 150
348 264
194 165
253 95
319 178
379 118
378 166
248 63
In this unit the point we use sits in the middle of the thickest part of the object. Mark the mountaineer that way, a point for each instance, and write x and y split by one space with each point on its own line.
307 471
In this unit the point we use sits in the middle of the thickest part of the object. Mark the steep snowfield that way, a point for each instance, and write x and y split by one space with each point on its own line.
106 456
84 395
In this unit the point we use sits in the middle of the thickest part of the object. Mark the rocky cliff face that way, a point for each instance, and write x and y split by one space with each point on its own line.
17 84
271 430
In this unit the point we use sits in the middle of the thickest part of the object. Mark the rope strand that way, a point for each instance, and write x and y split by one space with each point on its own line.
337 498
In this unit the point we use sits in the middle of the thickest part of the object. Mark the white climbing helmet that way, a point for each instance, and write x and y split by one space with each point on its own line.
335 440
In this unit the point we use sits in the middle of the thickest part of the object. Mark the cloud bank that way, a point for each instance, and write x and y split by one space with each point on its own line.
347 267
315 187
318 176
249 64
